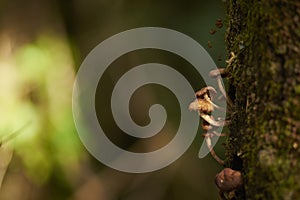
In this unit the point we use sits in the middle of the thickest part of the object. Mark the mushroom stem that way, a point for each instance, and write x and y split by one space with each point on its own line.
218 74
222 90
212 121
212 151
212 103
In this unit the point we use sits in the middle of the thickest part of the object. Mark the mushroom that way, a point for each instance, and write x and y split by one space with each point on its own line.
204 105
218 74
228 180
212 121
208 94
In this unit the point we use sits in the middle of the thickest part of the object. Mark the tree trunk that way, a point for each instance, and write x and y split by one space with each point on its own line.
264 140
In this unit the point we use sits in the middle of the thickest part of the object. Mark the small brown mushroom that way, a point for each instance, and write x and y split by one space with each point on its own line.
202 106
228 180
204 103
205 106
205 92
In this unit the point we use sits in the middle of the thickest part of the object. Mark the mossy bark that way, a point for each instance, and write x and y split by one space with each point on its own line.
264 140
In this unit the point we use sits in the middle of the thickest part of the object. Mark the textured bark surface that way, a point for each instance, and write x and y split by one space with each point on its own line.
265 85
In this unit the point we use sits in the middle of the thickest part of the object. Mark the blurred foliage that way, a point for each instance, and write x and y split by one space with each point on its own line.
46 75
36 97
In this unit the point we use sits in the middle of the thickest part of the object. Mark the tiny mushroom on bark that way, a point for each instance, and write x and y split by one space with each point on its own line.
228 180
208 94
204 105
218 74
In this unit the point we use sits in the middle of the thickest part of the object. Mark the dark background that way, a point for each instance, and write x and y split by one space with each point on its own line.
42 44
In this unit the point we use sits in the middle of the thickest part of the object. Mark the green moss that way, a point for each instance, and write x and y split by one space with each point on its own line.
266 76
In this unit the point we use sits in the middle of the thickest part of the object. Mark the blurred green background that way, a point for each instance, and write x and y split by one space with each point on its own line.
42 44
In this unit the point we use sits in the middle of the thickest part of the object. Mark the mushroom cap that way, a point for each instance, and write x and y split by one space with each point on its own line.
228 179
194 105
202 106
205 106
209 90
218 72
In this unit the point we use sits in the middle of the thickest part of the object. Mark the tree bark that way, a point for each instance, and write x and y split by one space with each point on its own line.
264 140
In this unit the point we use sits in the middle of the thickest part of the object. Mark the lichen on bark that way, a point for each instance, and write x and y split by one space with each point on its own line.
264 140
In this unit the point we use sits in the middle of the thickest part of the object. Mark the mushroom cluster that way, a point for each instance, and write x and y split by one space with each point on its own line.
228 179
204 105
